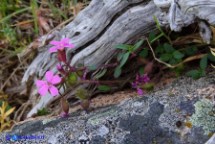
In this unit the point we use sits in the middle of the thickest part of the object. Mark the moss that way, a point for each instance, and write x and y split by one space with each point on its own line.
204 115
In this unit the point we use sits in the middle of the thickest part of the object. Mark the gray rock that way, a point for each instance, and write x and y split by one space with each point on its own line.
158 117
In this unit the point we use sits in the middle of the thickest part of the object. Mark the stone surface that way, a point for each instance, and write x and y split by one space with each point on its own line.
158 117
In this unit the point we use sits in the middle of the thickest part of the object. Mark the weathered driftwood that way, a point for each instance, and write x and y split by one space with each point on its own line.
211 140
105 23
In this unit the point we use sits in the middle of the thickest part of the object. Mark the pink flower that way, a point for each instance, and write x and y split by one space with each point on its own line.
64 114
60 45
48 85
140 91
59 67
140 80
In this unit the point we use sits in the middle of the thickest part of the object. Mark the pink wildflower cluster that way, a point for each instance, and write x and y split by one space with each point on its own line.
139 81
49 85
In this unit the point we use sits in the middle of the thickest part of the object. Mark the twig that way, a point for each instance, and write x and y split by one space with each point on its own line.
168 65
174 66
195 57
17 68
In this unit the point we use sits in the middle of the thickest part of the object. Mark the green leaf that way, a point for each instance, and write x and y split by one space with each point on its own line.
42 112
124 59
191 50
117 72
92 68
100 74
173 61
137 45
159 49
151 36
179 70
203 73
82 94
195 74
104 88
165 57
211 57
144 53
123 46
72 78
119 56
178 55
204 62
148 86
168 48
141 71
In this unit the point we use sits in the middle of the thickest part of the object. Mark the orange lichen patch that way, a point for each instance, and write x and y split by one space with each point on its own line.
188 124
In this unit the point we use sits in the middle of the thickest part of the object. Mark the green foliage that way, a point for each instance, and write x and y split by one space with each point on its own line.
92 68
104 88
162 33
124 59
148 86
72 79
141 70
179 70
190 50
82 94
124 56
212 56
204 115
130 48
197 73
144 53
117 72
169 54
42 112
100 74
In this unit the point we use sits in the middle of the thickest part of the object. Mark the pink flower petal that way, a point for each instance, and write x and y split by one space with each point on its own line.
40 83
43 90
64 114
140 91
53 49
55 42
53 90
65 40
55 80
61 48
70 45
49 76
59 67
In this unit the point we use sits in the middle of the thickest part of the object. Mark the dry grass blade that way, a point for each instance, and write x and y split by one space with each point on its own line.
4 117
160 61
195 57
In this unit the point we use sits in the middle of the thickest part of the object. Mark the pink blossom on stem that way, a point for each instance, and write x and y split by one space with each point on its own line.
140 91
64 114
59 67
49 85
140 80
60 45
